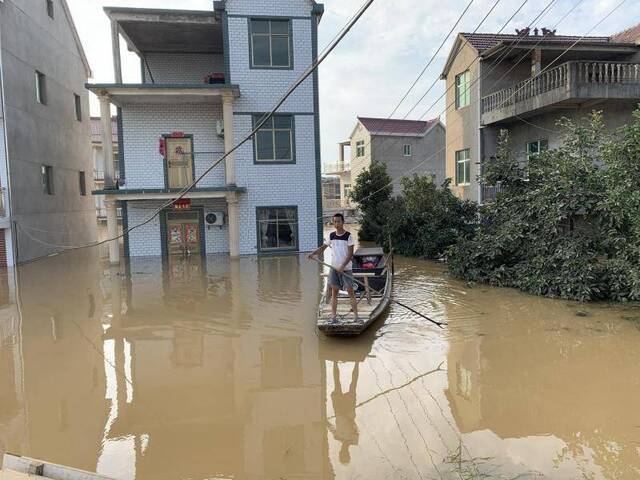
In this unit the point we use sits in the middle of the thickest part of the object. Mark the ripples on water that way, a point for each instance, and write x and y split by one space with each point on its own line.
214 369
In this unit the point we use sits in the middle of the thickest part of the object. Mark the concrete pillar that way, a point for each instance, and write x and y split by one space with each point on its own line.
112 231
233 224
115 47
536 61
229 139
107 141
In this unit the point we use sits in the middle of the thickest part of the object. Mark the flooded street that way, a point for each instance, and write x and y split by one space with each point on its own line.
214 369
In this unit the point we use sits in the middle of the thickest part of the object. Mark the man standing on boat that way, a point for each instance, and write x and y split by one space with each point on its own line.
342 244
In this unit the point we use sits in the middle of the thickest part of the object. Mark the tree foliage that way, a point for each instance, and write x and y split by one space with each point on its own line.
566 224
372 191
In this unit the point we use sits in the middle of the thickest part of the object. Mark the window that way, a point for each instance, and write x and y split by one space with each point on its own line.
46 172
78 105
463 167
536 147
50 8
83 183
41 88
406 150
463 93
270 44
347 190
277 228
275 140
360 148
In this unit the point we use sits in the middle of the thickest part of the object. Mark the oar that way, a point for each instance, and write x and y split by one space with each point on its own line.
439 324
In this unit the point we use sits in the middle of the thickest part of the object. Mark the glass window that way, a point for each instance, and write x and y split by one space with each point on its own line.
360 148
41 88
83 183
463 93
463 167
347 190
406 150
274 141
270 43
78 105
50 8
46 172
536 147
277 228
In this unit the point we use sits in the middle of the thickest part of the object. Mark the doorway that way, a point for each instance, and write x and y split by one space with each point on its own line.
183 234
179 161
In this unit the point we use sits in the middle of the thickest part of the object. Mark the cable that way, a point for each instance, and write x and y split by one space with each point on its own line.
306 74
415 82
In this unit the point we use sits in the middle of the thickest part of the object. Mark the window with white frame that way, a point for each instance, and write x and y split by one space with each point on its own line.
406 150
274 142
360 148
277 228
536 147
463 93
271 43
463 167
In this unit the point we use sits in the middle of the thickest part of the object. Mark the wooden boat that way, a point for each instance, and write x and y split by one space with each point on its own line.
373 283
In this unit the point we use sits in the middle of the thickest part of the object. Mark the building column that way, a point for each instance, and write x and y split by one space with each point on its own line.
107 141
233 225
115 47
112 231
229 139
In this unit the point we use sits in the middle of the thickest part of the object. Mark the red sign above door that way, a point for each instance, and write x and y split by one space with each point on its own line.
182 204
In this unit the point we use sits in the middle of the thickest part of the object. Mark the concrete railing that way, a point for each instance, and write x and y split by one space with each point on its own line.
337 167
566 75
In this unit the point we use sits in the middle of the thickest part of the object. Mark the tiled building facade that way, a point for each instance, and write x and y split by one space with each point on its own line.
268 189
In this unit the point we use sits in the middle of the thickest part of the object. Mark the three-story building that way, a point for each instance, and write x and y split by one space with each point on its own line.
208 78
524 83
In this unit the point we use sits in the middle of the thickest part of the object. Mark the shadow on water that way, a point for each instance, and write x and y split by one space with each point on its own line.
207 368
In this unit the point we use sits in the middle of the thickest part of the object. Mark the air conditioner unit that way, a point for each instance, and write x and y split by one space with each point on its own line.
220 128
214 218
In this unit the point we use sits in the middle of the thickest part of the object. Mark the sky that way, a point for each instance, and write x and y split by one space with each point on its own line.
371 70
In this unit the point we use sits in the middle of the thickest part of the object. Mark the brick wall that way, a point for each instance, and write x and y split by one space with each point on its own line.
181 67
143 125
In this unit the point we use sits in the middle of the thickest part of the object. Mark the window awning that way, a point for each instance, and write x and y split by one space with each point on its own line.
148 93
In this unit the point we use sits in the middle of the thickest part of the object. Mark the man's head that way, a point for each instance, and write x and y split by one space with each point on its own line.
338 221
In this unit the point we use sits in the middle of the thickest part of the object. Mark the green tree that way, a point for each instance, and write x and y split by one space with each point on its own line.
566 223
372 191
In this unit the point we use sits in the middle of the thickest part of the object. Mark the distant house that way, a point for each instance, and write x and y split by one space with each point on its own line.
209 77
524 83
406 147
45 163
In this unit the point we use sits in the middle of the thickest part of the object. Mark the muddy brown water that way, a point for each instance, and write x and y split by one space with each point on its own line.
214 370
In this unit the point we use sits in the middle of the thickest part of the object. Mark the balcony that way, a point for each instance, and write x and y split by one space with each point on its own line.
567 84
336 168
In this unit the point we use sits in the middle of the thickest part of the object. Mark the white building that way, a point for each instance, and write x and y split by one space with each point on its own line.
266 196
45 163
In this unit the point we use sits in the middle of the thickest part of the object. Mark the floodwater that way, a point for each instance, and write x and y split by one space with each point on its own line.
214 370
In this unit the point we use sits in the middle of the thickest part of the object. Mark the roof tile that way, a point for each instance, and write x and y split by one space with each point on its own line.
384 126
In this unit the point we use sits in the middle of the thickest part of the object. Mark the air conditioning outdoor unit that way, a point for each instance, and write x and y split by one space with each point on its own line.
220 128
214 218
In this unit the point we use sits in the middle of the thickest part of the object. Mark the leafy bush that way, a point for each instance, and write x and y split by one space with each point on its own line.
372 190
565 225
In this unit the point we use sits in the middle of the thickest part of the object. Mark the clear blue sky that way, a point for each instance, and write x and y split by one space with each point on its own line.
370 71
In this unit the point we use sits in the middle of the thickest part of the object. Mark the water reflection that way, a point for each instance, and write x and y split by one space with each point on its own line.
206 368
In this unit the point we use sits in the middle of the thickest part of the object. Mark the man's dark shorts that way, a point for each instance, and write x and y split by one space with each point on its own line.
341 280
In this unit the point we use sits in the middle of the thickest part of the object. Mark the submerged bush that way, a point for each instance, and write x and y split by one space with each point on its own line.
565 225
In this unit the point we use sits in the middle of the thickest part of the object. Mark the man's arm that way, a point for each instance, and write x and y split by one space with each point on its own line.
347 259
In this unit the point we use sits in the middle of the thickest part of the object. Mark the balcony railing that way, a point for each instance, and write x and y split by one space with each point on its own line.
489 193
330 168
569 77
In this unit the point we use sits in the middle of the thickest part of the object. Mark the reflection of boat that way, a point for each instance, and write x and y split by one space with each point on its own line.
373 271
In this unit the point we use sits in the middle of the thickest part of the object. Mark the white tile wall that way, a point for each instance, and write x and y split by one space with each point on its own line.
270 7
143 126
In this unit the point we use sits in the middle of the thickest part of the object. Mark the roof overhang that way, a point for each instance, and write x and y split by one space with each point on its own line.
592 47
166 194
148 93
453 53
149 30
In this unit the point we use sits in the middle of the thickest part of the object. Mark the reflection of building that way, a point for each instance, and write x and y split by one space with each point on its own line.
224 380
207 79
45 171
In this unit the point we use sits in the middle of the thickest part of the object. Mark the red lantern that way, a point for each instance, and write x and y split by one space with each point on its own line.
162 146
177 134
